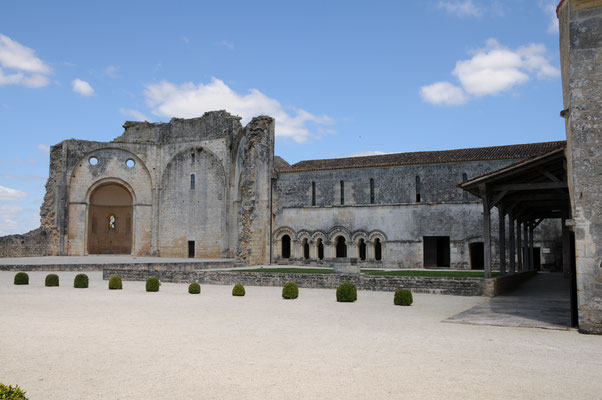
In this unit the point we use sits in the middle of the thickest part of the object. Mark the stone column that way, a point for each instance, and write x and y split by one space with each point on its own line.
313 250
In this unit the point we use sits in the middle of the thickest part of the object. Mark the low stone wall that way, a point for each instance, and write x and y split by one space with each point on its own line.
179 267
451 286
35 243
504 284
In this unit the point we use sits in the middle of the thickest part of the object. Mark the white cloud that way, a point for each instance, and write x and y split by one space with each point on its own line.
226 44
82 87
8 194
112 71
21 64
490 71
137 115
44 147
549 8
367 153
465 8
190 100
24 178
16 219
443 94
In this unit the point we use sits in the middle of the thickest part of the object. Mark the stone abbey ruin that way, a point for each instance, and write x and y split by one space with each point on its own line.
209 187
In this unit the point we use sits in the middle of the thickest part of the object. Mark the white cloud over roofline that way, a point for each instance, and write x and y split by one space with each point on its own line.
20 66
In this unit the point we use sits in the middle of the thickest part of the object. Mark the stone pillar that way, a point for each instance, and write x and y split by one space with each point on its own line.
296 250
511 243
329 250
566 250
313 250
369 251
580 54
502 240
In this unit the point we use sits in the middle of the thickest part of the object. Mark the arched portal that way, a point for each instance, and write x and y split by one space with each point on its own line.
341 247
305 249
362 249
320 249
378 250
110 220
286 246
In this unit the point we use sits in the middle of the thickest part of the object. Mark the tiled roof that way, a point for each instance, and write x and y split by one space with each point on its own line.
511 152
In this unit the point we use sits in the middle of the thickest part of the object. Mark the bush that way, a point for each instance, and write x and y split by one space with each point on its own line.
52 280
11 393
152 284
194 288
403 297
21 278
115 283
346 293
290 290
238 290
80 281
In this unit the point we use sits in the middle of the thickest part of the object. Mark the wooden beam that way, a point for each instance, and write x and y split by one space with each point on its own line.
519 246
548 175
529 186
486 230
502 240
512 243
497 199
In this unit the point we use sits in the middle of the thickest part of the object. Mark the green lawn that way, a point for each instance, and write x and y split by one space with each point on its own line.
428 273
291 270
433 273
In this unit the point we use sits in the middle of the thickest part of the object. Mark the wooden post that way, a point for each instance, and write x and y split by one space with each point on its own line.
519 257
486 231
502 239
566 250
531 261
525 246
512 243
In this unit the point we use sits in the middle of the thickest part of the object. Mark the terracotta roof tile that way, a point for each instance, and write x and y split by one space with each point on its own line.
517 151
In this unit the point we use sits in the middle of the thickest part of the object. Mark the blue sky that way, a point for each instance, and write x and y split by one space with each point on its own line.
341 78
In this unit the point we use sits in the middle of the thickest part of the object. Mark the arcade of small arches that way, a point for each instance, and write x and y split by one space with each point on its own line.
338 243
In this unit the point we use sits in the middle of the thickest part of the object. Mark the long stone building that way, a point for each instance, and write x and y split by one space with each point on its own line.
210 188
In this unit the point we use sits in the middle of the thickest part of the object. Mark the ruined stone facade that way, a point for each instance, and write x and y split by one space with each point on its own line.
581 57
197 187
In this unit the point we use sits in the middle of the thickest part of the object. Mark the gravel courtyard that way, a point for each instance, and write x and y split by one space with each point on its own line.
65 343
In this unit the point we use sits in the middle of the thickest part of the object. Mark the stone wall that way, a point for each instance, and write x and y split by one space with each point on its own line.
450 286
581 57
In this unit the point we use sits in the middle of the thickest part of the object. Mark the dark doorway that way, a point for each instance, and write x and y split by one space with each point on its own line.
378 250
362 249
320 249
110 220
436 251
477 255
191 249
286 246
305 249
537 258
341 247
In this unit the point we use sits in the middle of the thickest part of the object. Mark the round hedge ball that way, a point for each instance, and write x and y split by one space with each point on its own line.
80 281
403 297
238 290
346 293
52 280
194 288
21 278
152 284
115 283
290 290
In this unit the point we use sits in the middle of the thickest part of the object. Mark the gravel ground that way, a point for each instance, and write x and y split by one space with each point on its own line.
65 343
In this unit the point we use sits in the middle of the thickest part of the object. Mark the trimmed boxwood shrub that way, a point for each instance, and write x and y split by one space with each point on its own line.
21 278
346 293
152 284
290 290
80 281
238 290
115 283
403 297
11 393
194 288
52 280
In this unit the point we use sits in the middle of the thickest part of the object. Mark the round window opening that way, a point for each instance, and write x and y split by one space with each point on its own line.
130 163
93 160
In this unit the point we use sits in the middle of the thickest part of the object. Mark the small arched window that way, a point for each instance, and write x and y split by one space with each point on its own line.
305 249
362 249
341 247
320 249
286 246
192 182
112 221
378 250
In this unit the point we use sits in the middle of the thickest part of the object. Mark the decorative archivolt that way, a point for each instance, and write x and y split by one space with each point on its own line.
339 231
304 234
284 230
357 235
376 234
319 235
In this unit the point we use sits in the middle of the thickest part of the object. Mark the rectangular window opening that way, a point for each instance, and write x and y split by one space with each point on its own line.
313 193
191 249
342 192
192 182
418 189
371 191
